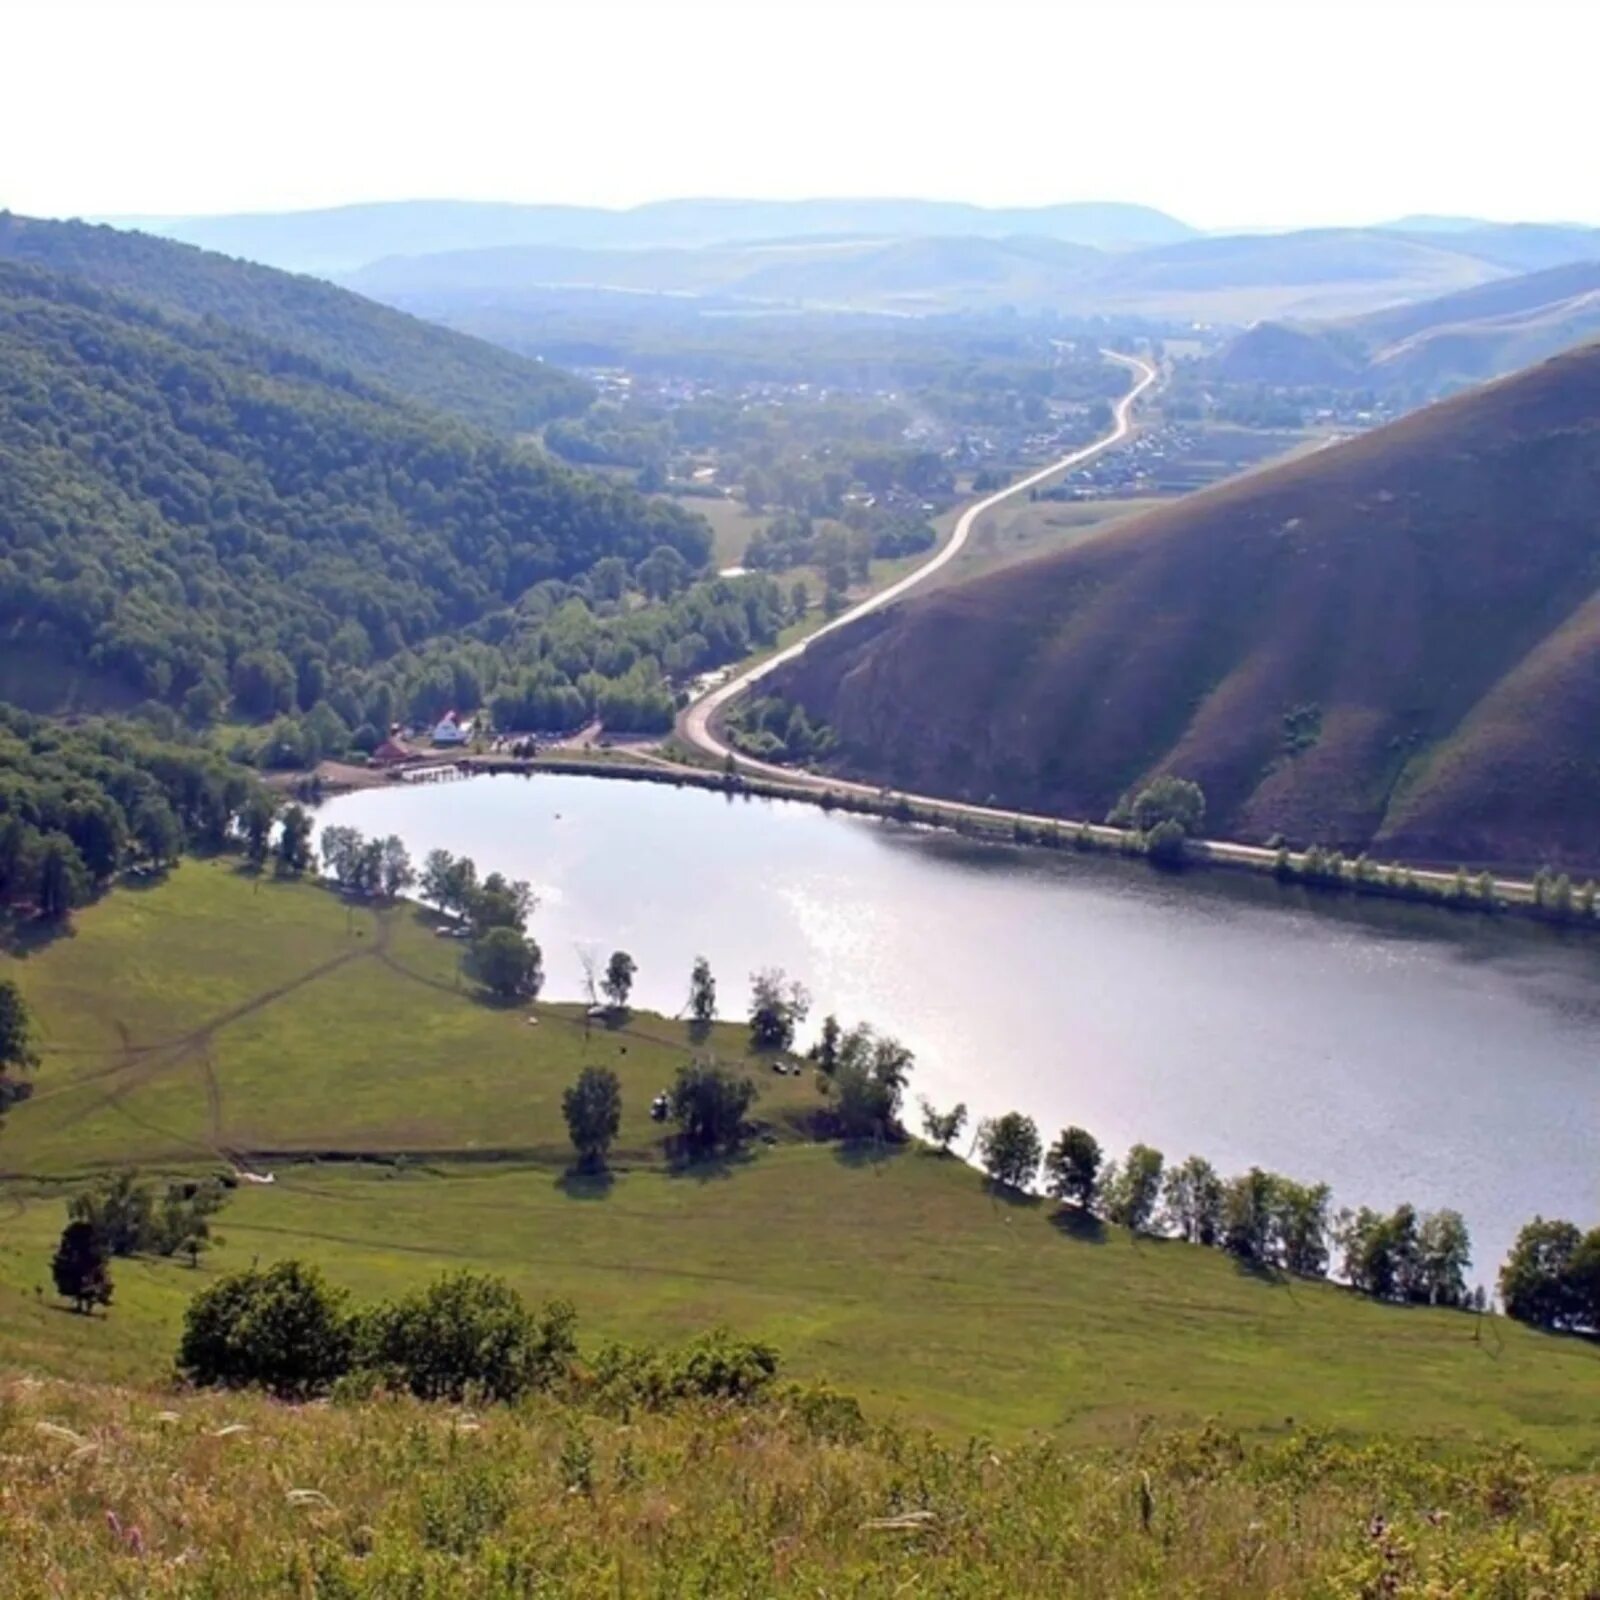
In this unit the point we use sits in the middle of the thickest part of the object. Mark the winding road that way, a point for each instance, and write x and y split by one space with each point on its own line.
697 726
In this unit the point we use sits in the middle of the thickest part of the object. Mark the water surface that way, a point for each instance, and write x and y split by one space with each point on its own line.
1397 1052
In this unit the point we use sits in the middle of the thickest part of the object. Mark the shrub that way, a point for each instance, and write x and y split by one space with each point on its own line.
284 1330
715 1366
467 1335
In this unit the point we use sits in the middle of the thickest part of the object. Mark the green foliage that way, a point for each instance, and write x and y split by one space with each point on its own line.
1169 799
508 964
475 381
777 1008
943 1128
709 1104
715 1366
1552 1276
466 1336
866 1081
618 980
81 1268
1010 1149
192 513
771 728
593 1109
702 992
1072 1168
1132 1192
282 1329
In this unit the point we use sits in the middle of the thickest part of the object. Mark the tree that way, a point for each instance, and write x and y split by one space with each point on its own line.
1444 1248
1536 1282
1300 1226
1131 1197
16 1030
498 902
777 1008
618 981
282 1329
826 1049
593 1109
1072 1169
63 878
1191 1201
1247 1216
294 842
1169 800
81 1268
943 1128
702 992
121 1210
395 872
156 830
465 1335
508 965
257 822
1009 1148
709 1105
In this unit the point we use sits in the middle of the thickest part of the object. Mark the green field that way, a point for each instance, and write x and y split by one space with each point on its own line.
209 1020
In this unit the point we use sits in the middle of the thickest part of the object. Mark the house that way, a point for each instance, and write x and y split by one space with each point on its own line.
391 753
452 729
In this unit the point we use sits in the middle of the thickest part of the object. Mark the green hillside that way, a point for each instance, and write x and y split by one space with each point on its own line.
213 1019
451 372
1391 643
192 514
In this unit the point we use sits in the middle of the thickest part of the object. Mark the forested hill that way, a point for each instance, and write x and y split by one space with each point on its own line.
453 372
1393 643
190 514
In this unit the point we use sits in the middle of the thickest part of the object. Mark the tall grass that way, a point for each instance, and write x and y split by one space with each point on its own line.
116 1492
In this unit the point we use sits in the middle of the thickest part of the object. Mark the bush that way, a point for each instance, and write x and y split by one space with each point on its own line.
709 1105
715 1366
283 1330
467 1335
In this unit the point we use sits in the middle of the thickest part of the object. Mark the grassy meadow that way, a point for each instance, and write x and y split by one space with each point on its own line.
412 1129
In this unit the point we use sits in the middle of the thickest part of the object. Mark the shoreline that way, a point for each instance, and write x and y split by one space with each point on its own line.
1389 881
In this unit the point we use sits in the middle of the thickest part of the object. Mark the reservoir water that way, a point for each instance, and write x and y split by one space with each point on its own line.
1399 1053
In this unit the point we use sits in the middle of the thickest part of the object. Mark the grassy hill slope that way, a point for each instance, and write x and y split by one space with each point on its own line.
452 372
210 1018
1421 600
176 495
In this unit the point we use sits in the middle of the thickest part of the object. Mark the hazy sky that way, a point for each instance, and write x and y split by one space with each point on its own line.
1222 111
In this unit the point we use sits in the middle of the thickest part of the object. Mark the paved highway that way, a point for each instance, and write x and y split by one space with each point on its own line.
698 723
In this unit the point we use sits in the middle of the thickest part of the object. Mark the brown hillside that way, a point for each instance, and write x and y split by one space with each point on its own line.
1425 596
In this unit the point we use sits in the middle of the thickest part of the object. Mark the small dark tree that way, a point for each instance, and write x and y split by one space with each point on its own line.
121 1210
1536 1282
943 1128
826 1050
17 1054
257 824
618 981
709 1105
1072 1169
63 878
81 1268
1009 1148
702 992
1191 1201
593 1109
777 1008
1131 1195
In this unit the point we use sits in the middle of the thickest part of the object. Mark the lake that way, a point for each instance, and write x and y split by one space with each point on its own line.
1396 1052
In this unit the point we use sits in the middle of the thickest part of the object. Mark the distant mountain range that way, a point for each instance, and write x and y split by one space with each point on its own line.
466 377
1392 644
345 238
1234 279
1430 346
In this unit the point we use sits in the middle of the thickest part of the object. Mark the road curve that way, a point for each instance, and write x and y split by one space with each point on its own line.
697 725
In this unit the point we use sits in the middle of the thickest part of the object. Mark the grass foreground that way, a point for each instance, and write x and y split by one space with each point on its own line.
114 1492
213 1021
